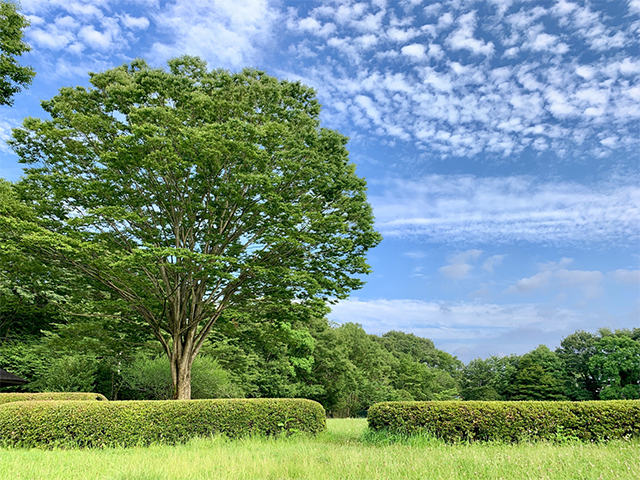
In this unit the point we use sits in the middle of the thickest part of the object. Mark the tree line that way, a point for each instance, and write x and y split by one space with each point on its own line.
286 354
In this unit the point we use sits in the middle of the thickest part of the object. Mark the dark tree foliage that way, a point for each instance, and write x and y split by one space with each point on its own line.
421 350
616 365
575 351
488 379
532 382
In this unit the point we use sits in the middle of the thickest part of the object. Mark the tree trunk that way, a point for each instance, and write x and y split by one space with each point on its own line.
181 374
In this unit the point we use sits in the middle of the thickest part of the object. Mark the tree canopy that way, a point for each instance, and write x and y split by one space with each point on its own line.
13 76
189 193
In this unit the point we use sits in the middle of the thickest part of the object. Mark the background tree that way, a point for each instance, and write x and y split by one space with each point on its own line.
480 381
186 193
538 376
420 350
13 76
489 379
616 364
575 351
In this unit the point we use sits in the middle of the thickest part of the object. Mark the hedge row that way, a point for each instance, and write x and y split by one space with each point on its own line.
510 421
47 396
130 423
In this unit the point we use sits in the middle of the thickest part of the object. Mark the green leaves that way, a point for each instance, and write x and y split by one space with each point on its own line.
13 76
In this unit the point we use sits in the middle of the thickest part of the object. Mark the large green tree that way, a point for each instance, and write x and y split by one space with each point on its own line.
13 76
188 193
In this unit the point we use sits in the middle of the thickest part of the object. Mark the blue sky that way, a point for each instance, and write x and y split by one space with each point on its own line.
500 140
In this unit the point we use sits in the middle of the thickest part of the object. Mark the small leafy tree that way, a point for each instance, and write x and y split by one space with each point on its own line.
189 193
13 76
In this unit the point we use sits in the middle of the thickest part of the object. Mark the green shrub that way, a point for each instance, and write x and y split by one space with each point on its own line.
510 421
47 396
151 378
129 423
210 380
70 373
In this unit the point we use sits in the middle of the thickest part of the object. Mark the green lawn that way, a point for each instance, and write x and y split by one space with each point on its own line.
345 451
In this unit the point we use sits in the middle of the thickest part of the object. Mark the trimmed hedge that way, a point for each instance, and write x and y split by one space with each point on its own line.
47 396
510 421
131 423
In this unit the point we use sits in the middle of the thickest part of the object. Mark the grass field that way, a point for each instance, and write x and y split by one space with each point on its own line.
346 451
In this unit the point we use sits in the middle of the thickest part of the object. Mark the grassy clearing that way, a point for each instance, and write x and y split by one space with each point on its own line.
346 451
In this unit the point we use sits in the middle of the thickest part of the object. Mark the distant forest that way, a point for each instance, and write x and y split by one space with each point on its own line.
342 367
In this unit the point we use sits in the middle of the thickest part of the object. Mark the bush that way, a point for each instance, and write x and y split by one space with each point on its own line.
210 380
43 397
151 378
130 423
510 421
70 373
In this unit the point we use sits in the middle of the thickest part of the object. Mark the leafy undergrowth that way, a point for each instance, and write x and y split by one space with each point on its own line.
347 450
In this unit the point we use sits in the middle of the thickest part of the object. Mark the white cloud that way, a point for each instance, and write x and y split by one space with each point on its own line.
586 71
382 315
86 31
589 281
310 25
591 27
433 9
508 210
52 39
626 276
463 39
369 107
226 33
95 39
414 50
492 262
456 271
137 23
402 35
560 278
564 262
459 266
467 256
84 9
528 285
511 52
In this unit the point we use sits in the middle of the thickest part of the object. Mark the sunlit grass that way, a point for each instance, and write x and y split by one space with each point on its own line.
346 451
